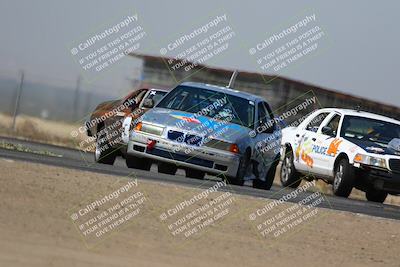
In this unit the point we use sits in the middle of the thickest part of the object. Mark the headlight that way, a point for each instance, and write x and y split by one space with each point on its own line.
222 145
370 160
149 128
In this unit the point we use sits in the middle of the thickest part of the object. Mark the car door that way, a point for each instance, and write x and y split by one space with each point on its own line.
304 141
267 142
327 144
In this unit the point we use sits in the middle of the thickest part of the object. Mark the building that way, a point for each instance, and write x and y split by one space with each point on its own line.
279 91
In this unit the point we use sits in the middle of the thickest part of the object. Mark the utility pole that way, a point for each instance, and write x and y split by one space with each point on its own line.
17 101
76 99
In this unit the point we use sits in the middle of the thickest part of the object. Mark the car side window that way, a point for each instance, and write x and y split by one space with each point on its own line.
261 113
314 124
332 126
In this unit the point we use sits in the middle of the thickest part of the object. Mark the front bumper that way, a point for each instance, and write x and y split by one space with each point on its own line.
380 179
202 158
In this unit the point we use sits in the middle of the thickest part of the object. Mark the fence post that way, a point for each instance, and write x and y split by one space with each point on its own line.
76 99
17 101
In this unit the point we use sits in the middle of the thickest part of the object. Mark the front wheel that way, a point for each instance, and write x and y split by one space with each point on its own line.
104 152
289 176
167 168
242 170
376 195
343 179
269 179
138 163
191 173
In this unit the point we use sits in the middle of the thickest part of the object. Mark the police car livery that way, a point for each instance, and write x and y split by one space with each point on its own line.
346 148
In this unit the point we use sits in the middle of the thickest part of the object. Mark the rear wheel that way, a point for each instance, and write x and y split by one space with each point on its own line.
376 195
104 153
289 176
138 163
195 174
167 168
344 179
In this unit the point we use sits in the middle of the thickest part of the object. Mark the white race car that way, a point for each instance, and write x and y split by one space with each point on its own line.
346 148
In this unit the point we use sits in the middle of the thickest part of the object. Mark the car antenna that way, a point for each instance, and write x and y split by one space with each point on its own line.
232 80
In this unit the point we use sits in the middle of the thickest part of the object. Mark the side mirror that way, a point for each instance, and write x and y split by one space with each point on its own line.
327 130
148 103
267 127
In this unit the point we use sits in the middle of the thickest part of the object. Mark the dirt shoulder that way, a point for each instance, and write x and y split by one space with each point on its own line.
37 230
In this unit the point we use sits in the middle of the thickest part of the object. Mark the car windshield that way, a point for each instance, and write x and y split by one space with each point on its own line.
156 95
210 103
369 129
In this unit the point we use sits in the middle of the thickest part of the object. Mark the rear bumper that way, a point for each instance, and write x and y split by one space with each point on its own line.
206 159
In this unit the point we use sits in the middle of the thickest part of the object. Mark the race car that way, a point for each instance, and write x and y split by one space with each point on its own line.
346 148
106 123
204 128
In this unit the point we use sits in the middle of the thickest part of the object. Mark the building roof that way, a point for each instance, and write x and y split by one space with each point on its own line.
250 76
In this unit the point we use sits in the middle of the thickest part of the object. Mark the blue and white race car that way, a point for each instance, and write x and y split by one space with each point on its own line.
210 129
347 148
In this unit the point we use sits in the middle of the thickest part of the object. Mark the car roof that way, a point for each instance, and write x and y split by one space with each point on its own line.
226 90
364 114
158 89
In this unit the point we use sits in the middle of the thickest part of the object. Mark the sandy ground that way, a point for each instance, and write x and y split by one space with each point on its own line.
36 228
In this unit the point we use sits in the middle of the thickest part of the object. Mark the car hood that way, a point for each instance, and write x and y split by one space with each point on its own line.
375 147
201 125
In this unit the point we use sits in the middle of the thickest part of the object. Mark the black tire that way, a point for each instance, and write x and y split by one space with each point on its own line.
376 195
191 173
104 153
137 163
243 166
289 177
167 168
269 179
343 179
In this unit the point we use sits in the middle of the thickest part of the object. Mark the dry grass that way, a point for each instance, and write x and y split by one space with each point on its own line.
36 129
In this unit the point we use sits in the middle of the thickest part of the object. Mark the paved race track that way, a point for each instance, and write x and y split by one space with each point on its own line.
76 159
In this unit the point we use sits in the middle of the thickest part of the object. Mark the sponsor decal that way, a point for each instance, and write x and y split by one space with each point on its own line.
334 147
307 159
187 119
